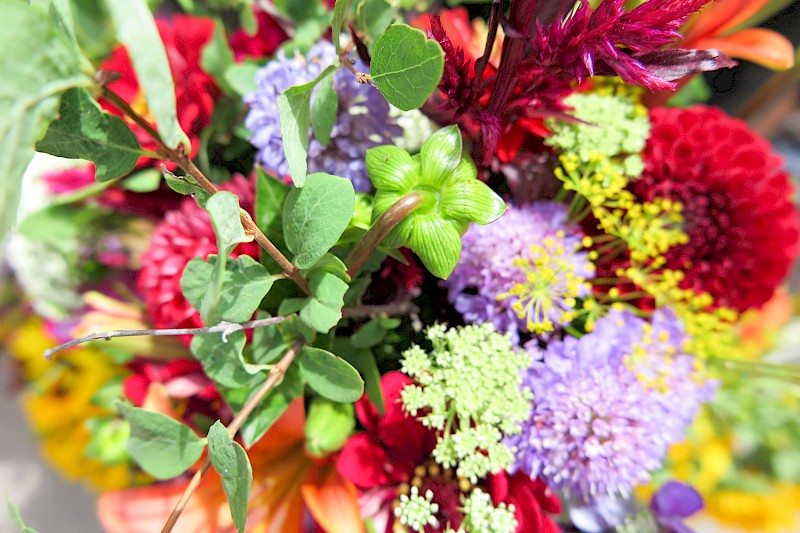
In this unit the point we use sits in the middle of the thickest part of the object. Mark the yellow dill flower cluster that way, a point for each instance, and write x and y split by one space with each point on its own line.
553 281
58 403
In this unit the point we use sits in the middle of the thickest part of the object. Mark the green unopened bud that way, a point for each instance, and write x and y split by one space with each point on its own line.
451 197
328 426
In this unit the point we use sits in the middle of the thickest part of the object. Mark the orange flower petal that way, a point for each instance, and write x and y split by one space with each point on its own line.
761 46
333 501
718 17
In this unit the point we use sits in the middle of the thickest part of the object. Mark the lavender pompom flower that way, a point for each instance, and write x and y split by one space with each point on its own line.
362 120
523 271
608 405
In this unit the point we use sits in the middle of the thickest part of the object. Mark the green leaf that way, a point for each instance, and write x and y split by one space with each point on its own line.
162 446
244 284
231 462
328 426
374 16
217 57
324 109
270 196
302 11
186 185
38 63
85 131
247 19
222 359
370 334
315 216
330 376
147 180
323 309
16 518
363 360
58 223
406 66
269 409
339 13
241 77
268 344
136 29
295 116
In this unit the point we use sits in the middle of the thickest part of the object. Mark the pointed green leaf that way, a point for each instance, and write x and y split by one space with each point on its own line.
330 376
217 57
391 169
328 426
406 66
233 466
472 200
441 155
270 196
295 117
339 14
324 109
222 359
363 360
84 131
37 63
437 243
245 283
162 446
186 185
315 216
16 518
370 334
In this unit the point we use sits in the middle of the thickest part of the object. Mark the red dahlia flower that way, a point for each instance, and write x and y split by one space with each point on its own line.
184 234
395 451
267 39
742 224
184 38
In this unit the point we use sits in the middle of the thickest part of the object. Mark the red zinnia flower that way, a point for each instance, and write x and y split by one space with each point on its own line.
184 38
267 39
396 450
184 234
742 224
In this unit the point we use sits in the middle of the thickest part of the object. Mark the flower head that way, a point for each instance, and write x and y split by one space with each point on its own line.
607 405
266 40
362 120
742 225
525 269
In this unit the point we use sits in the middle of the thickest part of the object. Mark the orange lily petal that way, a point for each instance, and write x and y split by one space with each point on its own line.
765 47
718 17
333 501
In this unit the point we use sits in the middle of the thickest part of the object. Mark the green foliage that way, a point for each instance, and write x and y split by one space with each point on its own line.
374 16
451 197
328 281
324 109
217 57
38 63
270 197
146 180
245 282
315 216
339 14
231 462
84 131
223 359
406 66
162 446
469 388
330 376
480 514
109 439
270 408
16 518
295 110
328 426
186 185
241 77
136 29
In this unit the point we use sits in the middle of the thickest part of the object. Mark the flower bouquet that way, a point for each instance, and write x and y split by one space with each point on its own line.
386 266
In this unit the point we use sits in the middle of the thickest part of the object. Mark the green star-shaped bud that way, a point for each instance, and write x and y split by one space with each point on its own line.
451 197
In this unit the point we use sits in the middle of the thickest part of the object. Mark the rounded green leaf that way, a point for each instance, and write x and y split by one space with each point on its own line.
472 200
441 155
437 243
406 66
391 169
330 376
233 466
328 426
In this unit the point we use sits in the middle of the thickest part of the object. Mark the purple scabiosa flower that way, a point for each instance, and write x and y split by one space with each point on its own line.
362 120
608 405
522 271
674 502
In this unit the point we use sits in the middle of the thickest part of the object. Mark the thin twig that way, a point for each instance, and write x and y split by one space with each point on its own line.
275 377
402 307
226 328
178 157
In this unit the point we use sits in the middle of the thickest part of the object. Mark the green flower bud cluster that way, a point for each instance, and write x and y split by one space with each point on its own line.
614 125
470 390
480 516
450 195
416 511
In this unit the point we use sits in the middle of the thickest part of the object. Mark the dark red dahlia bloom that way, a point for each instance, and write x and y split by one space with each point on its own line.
184 37
395 280
184 234
267 39
742 224
395 451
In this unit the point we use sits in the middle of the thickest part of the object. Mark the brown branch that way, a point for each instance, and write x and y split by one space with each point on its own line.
402 307
275 377
178 157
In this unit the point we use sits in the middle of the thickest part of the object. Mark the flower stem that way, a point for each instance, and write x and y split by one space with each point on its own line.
178 157
379 230
275 377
